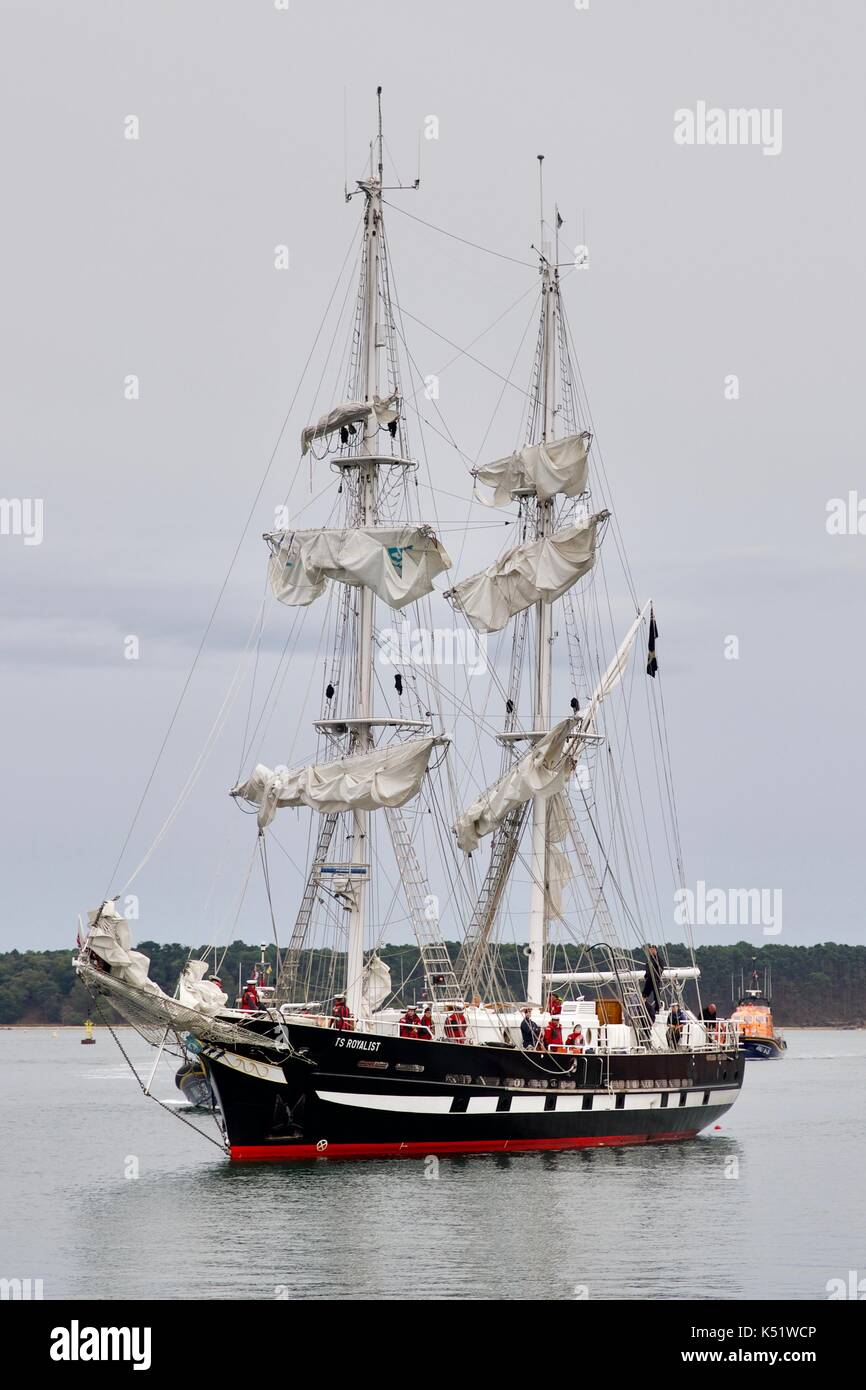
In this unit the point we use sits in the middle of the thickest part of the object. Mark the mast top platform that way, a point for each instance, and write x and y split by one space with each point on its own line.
376 460
341 726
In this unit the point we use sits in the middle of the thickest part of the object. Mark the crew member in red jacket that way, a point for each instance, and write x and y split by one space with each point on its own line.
574 1041
410 1023
250 996
455 1026
341 1019
425 1027
553 1035
554 1004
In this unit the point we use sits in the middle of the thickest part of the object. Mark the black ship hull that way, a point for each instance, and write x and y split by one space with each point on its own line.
355 1095
763 1049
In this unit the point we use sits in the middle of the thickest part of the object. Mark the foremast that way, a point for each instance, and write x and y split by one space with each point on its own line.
376 552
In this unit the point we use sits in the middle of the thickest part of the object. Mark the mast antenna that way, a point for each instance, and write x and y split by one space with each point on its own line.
376 155
541 201
379 104
345 146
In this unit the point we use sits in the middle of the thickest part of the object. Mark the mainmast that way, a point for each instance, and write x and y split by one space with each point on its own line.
366 516
538 904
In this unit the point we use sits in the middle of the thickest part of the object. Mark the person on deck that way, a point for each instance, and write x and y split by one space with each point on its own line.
529 1030
554 1004
651 988
425 1027
574 1041
711 1019
553 1035
455 1026
675 1026
410 1023
341 1019
250 996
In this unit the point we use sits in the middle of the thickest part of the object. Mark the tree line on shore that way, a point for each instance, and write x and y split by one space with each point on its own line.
813 986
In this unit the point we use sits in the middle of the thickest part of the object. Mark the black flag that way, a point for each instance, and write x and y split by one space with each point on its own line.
651 664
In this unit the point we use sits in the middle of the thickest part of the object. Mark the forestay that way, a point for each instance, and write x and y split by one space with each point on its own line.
537 571
366 782
399 563
559 466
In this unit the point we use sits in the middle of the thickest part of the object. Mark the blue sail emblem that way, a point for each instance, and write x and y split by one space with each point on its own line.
396 554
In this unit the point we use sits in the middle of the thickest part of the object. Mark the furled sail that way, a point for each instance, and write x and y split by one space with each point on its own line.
399 563
351 413
361 782
559 877
560 466
543 570
377 983
543 771
109 939
196 992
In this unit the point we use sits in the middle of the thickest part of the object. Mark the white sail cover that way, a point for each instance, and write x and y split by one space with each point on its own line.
560 466
537 570
362 782
399 563
350 413
543 771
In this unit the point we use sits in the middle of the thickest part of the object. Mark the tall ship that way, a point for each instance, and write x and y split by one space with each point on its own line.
752 1016
487 770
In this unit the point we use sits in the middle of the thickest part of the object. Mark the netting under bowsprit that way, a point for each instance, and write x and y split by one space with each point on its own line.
151 1014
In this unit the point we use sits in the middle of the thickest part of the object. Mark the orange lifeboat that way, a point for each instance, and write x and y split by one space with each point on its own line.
759 1037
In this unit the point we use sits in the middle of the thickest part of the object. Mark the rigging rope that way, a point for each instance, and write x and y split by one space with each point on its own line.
144 1090
476 246
227 576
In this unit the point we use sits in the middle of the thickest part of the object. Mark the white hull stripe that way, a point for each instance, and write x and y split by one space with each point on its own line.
520 1104
407 1105
482 1105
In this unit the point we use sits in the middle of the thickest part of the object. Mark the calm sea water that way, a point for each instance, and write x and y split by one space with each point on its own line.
771 1206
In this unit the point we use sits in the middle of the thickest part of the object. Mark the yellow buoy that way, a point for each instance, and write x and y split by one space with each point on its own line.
88 1032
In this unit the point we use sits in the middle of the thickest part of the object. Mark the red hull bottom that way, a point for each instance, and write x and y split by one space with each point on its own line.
287 1153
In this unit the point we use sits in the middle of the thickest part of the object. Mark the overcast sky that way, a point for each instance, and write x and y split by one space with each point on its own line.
155 257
